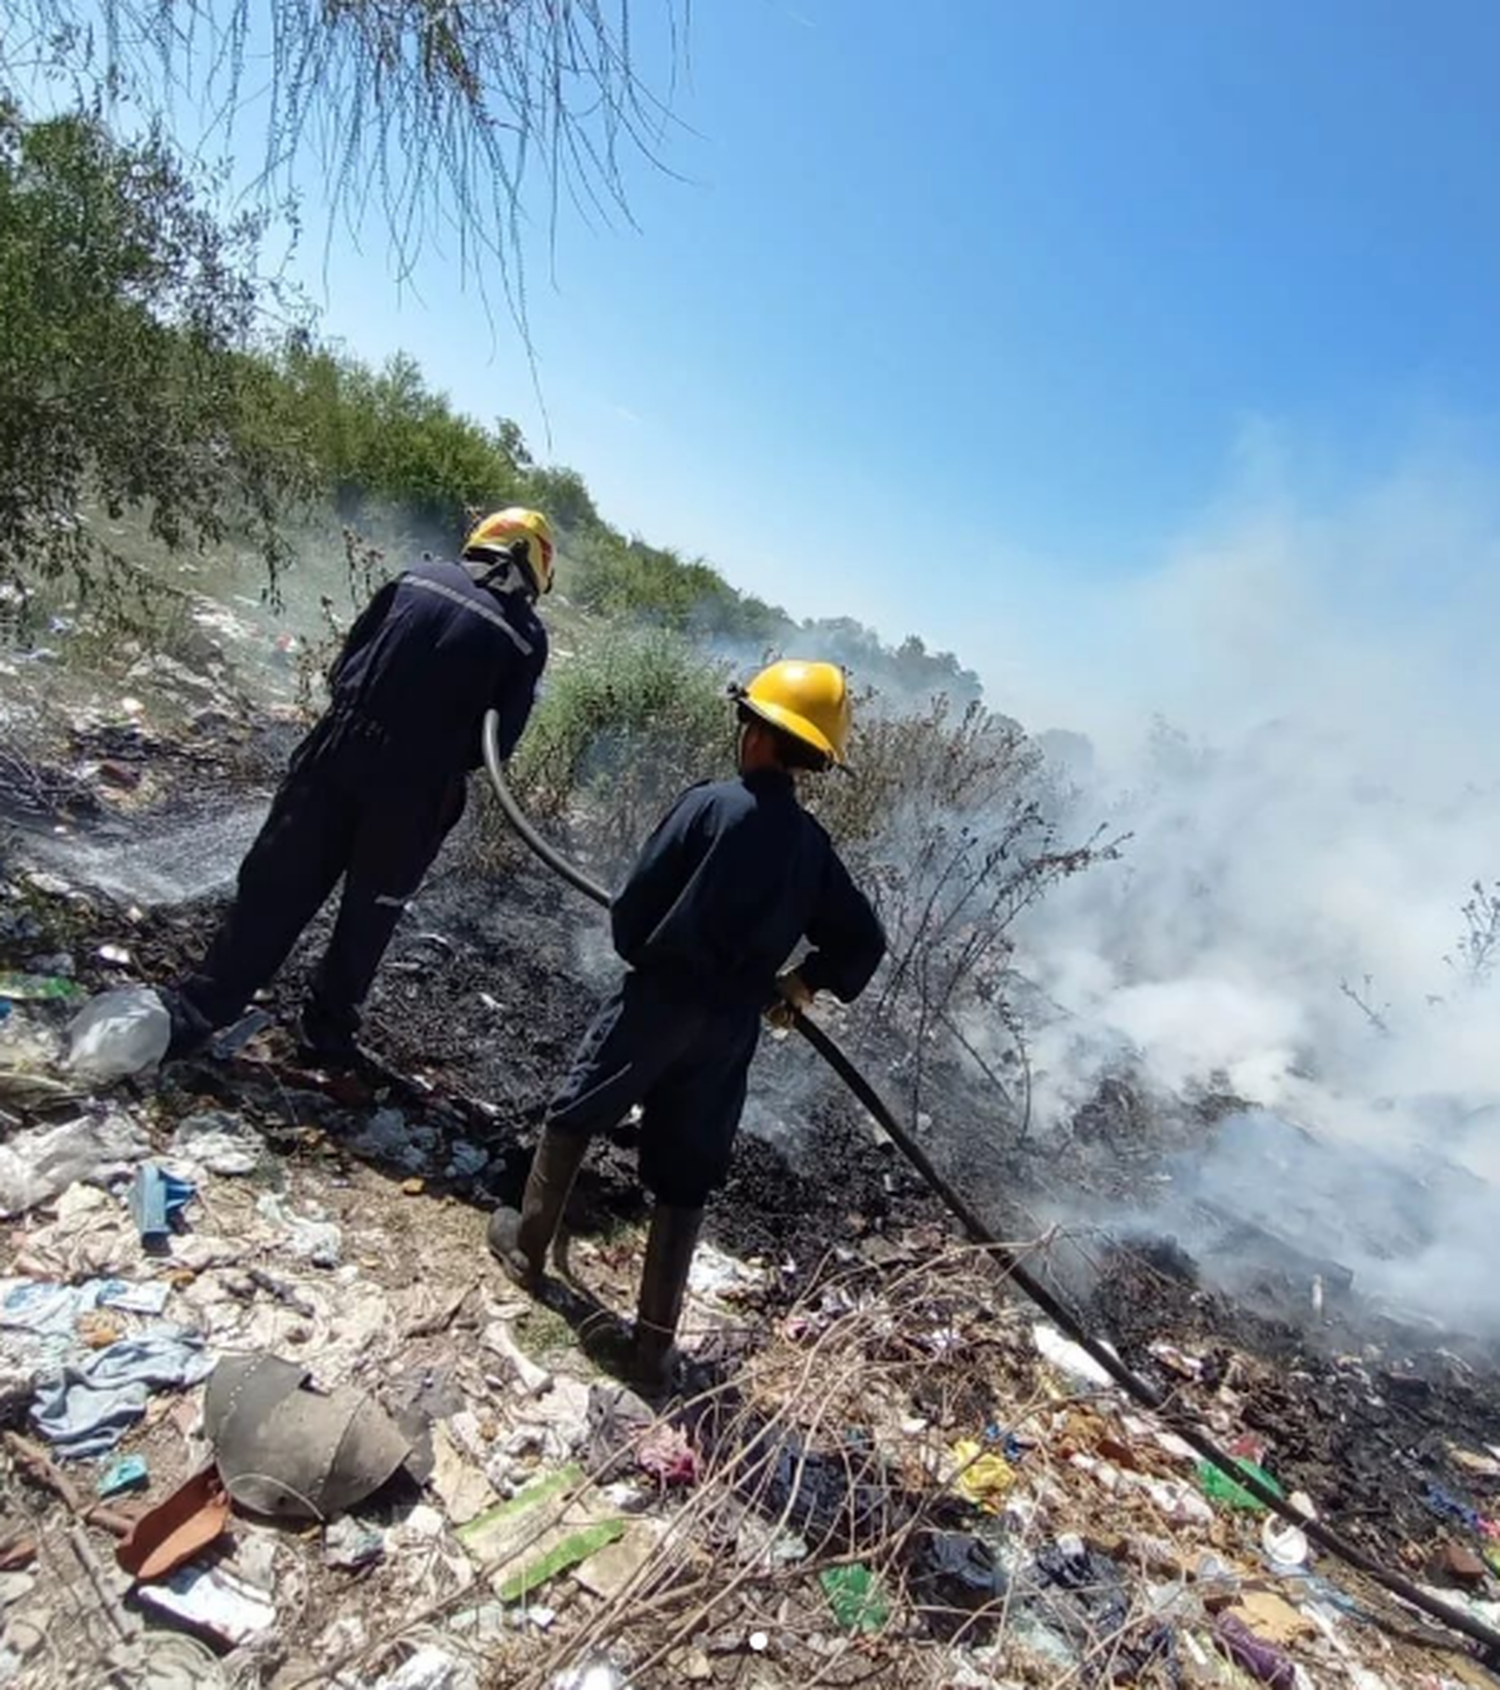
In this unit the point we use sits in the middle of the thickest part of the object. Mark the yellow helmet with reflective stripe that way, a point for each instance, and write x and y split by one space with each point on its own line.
809 701
503 528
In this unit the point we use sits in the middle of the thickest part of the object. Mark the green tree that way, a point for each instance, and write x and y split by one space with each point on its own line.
129 375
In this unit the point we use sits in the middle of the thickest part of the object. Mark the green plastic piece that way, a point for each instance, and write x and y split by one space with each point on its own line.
1219 1487
40 988
855 1596
573 1549
538 1491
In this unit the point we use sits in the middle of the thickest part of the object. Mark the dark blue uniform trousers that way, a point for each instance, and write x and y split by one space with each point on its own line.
345 811
685 1062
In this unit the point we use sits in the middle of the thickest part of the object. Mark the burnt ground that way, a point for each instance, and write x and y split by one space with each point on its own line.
496 972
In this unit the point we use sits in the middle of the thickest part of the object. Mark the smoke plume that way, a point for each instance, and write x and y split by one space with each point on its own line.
1296 920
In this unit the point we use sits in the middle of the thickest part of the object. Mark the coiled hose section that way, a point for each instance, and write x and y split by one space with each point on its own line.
1145 1393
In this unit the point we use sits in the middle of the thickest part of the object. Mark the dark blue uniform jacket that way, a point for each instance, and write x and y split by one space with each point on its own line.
733 878
431 653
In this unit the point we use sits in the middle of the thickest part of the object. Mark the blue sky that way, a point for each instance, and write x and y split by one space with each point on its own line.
962 325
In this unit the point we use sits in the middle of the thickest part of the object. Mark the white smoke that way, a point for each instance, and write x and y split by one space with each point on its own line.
1314 819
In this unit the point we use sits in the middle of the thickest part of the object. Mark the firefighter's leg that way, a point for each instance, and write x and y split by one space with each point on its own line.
286 876
395 840
520 1238
620 1056
688 1131
669 1258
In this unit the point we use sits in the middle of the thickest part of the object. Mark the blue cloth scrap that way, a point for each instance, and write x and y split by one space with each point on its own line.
86 1409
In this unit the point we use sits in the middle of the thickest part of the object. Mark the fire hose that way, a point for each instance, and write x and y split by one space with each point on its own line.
1142 1390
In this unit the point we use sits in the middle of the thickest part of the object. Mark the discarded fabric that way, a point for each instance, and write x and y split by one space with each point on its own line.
220 1142
90 1405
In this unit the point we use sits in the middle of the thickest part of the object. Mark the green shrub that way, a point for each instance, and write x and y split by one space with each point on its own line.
620 730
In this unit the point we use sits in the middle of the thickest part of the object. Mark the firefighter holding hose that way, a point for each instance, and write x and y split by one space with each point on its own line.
733 878
375 788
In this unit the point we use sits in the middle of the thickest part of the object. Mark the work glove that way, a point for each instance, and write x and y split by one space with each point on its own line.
792 994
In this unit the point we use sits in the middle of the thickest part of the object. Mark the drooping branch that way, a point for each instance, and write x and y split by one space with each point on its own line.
437 115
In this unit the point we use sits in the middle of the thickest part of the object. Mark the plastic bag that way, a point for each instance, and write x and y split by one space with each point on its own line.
119 1033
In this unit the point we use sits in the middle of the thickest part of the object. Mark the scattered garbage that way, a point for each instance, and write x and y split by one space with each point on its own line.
1067 1357
349 1542
287 1450
1285 1545
1219 1487
213 1597
430 1669
219 1142
89 1406
610 1570
984 1477
38 1165
119 1033
40 988
577 1546
855 1597
546 1529
130 1472
187 1522
463 1489
602 1675
954 1576
1262 1660
667 1456
157 1200
309 1236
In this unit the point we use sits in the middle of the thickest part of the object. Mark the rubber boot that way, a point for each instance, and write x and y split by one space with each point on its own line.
669 1256
520 1239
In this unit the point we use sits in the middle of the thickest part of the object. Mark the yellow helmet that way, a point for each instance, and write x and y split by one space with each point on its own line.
809 701
501 528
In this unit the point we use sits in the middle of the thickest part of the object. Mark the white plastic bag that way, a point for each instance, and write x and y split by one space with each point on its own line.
119 1033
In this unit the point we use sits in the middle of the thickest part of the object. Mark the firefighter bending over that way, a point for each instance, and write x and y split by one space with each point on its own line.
374 789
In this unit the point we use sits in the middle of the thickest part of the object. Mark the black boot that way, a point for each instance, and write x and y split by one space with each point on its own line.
669 1256
191 1030
325 1041
520 1239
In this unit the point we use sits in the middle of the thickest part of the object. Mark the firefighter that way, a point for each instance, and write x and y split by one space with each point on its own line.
374 789
733 878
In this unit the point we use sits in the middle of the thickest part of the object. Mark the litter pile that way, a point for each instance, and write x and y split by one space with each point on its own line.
271 1420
